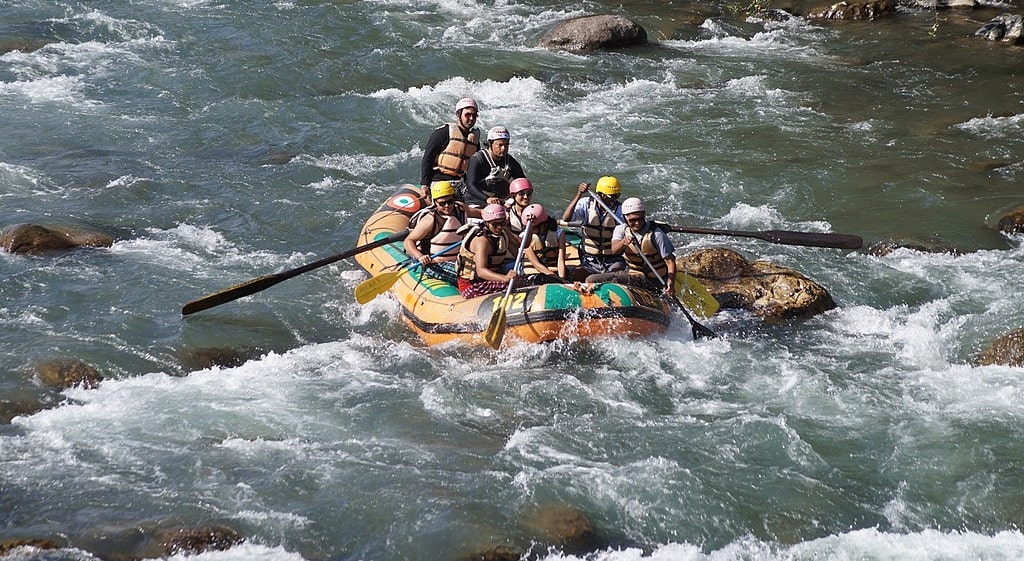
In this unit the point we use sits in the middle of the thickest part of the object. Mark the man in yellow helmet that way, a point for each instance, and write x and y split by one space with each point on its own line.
598 226
446 155
433 229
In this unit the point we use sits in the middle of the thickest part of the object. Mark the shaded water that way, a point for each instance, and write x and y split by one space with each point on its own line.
220 141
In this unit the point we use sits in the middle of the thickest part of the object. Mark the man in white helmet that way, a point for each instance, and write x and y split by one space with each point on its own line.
636 239
446 155
491 170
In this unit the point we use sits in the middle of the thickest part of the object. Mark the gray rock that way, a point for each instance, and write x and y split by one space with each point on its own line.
590 33
1007 28
33 238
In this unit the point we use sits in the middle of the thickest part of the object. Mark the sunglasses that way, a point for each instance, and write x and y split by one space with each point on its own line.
468 114
444 202
525 193
634 221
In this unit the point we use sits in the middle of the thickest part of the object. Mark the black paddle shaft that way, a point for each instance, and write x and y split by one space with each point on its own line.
786 237
262 283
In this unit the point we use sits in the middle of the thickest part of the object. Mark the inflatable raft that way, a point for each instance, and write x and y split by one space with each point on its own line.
438 313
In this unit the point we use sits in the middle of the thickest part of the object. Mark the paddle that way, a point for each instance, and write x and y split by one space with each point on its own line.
262 283
495 331
695 295
698 329
787 237
375 286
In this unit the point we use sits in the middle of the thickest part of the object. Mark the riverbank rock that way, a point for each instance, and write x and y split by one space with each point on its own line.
1012 222
771 291
854 10
590 33
1007 350
33 238
67 373
1007 28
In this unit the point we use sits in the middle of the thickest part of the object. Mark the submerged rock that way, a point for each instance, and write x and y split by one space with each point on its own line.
1012 222
67 373
1007 350
590 33
565 527
768 290
202 358
7 546
882 248
194 540
33 238
854 10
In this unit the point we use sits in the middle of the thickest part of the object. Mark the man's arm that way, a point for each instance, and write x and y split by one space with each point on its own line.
435 144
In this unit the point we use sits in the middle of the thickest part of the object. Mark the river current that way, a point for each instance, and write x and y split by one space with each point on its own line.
218 141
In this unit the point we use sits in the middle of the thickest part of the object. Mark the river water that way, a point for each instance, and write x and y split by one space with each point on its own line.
219 141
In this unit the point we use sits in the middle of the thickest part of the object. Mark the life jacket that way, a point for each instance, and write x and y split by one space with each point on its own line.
443 233
646 245
454 158
497 181
546 247
515 219
495 258
597 231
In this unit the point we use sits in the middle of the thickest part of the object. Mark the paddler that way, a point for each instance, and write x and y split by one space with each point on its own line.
437 227
545 253
598 226
487 255
520 193
491 170
636 236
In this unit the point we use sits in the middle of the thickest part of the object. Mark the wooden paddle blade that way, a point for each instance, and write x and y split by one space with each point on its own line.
695 295
231 293
496 327
375 286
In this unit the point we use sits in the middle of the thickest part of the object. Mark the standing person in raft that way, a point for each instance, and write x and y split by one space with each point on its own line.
487 255
436 227
490 170
598 226
637 236
447 153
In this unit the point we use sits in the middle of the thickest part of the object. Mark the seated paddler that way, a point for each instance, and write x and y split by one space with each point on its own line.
435 228
647 248
487 256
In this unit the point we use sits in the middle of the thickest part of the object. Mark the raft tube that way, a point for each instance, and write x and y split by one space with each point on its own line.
438 313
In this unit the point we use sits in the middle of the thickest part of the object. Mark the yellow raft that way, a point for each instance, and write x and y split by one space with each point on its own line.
438 313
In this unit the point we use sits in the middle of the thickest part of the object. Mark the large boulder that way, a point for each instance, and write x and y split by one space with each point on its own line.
590 33
771 291
854 10
1006 349
33 238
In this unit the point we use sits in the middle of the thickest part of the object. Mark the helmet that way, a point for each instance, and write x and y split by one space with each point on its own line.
493 212
441 189
498 133
632 205
535 212
464 103
521 184
608 185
